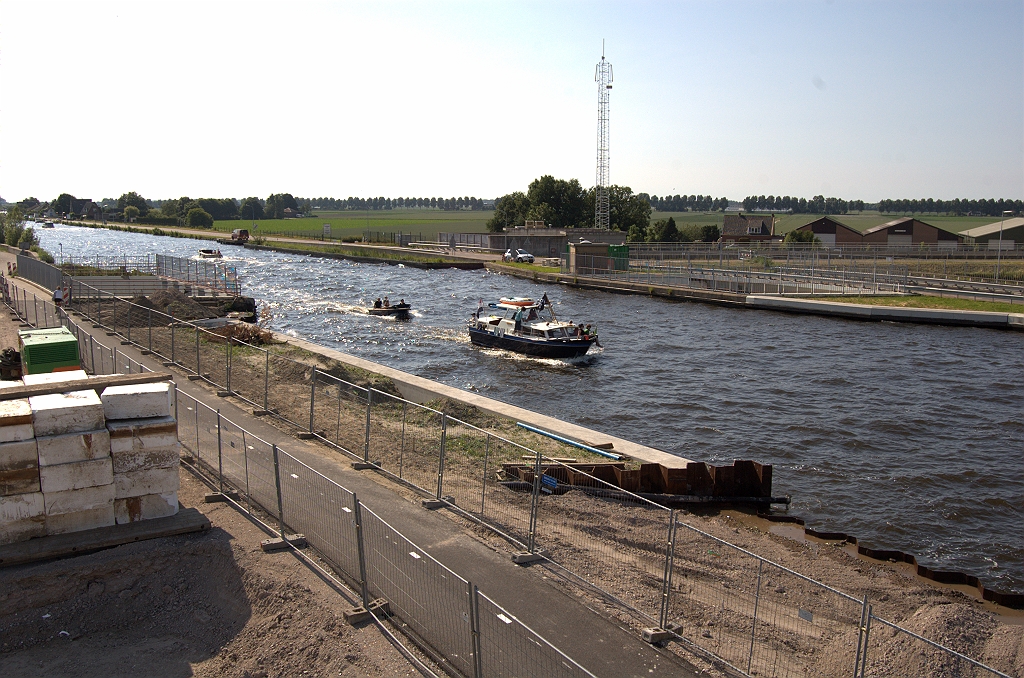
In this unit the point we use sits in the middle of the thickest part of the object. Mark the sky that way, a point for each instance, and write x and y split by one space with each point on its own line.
216 98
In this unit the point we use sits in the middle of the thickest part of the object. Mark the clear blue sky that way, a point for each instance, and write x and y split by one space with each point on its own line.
860 100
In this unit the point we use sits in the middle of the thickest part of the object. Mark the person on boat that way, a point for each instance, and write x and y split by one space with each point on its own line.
401 302
387 303
533 315
378 303
518 317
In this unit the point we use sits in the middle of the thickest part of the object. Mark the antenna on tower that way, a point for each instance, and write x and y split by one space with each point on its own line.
603 77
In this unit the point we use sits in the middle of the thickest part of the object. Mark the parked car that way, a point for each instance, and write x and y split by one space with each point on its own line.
522 256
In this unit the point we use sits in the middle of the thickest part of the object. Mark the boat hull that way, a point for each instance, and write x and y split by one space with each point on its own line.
540 348
390 310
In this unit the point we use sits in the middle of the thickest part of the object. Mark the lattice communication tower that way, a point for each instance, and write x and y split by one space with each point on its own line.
603 77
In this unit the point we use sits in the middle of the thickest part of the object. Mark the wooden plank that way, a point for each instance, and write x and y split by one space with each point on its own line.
95 383
75 543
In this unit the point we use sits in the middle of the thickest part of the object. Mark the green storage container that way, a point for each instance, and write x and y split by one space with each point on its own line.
49 350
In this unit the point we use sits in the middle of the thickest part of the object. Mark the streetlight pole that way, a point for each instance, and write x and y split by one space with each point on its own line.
999 252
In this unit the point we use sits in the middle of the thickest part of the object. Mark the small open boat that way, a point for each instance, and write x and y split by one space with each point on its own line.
210 254
400 310
529 327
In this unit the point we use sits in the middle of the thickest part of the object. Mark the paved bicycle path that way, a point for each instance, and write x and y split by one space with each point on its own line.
594 641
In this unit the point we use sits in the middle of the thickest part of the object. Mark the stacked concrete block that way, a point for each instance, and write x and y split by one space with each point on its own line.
75 469
54 377
22 514
144 449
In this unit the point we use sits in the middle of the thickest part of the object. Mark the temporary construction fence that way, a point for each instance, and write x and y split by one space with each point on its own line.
723 602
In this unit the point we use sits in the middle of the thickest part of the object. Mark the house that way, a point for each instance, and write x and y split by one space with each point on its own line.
748 228
832 233
908 232
289 213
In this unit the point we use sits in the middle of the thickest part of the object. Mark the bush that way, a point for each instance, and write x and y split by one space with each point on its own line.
197 217
42 254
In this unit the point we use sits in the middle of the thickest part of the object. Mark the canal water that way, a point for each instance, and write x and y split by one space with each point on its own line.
908 437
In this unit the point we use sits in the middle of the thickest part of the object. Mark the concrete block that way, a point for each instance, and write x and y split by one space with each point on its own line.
84 499
138 401
22 517
18 455
76 475
15 419
19 481
139 460
146 507
139 435
148 481
10 383
54 377
63 523
59 413
73 447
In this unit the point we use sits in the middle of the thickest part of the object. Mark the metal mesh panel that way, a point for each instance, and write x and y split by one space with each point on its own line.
406 439
429 597
290 390
248 373
602 533
339 413
505 641
895 651
473 475
213 357
323 511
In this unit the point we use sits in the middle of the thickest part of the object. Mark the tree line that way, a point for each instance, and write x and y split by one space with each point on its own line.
683 203
382 203
819 204
958 207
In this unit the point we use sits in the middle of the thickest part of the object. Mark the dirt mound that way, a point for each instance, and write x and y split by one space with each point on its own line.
208 604
181 306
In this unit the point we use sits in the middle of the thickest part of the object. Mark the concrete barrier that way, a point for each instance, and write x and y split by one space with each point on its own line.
933 316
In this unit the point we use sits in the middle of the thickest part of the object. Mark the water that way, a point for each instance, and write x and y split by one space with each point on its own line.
909 437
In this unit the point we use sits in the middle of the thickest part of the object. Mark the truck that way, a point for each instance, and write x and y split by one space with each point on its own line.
239 236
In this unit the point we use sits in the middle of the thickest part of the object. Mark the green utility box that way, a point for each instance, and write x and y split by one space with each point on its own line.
49 350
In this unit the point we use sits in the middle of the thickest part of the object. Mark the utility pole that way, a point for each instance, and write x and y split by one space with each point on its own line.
603 77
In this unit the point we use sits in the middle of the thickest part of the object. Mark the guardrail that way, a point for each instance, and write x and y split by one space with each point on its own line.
721 601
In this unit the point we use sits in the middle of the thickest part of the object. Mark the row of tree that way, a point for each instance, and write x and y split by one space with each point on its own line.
566 204
959 207
819 204
382 203
683 203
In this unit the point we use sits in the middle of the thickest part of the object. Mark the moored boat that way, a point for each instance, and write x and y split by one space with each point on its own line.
528 327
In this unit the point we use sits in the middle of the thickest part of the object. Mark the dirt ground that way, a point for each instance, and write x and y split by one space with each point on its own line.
210 604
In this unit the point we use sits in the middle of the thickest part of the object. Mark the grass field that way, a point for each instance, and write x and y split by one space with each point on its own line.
424 224
930 302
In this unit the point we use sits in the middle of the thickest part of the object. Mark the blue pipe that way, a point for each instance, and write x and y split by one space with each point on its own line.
588 448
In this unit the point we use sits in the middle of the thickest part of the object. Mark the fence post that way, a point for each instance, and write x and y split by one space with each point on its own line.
860 637
172 339
129 321
440 457
199 372
670 554
92 354
220 455
277 482
366 441
483 478
531 540
312 398
361 549
228 367
266 381
753 624
474 629
149 322
867 637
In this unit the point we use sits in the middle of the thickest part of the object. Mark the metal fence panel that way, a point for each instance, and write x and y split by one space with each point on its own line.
607 536
339 413
429 597
505 641
474 478
289 397
406 439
